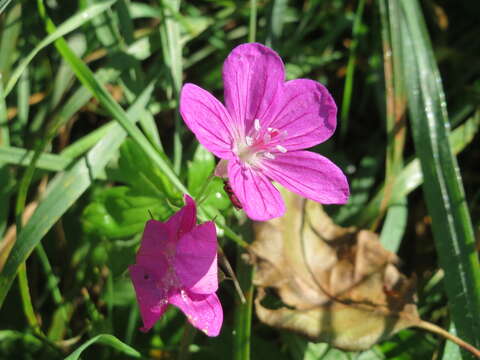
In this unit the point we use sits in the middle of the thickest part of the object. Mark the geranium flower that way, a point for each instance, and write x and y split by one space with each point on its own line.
177 264
262 130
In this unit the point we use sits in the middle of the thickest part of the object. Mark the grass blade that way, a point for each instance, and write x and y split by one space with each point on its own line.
443 189
4 171
105 339
71 24
347 92
172 51
8 40
411 175
276 20
85 75
22 157
4 4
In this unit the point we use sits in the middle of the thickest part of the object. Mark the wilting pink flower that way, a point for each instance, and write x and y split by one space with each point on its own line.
262 130
177 264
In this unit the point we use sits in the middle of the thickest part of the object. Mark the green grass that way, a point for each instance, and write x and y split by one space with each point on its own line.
90 134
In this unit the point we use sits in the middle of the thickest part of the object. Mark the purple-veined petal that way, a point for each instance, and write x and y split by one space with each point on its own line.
305 115
203 311
196 259
151 300
252 76
259 198
309 175
208 119
185 219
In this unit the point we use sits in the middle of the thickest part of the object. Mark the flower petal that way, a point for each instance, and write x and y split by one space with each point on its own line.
309 175
305 115
252 76
185 219
196 259
259 198
156 239
208 119
203 311
151 300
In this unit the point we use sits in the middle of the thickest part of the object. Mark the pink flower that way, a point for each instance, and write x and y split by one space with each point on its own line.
262 130
177 264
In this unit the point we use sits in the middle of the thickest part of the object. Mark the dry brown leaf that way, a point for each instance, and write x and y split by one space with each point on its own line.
339 285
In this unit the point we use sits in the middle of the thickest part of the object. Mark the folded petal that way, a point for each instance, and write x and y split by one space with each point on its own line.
185 219
203 311
208 119
157 238
306 115
309 175
252 76
196 259
259 198
151 300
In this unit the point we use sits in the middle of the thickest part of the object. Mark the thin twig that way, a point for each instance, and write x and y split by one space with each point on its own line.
425 325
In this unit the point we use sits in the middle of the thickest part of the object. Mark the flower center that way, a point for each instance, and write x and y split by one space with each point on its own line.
259 144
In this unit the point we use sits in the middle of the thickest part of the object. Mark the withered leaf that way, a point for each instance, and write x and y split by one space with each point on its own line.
339 285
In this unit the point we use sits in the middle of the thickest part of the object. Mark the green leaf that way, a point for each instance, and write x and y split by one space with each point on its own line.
199 169
203 185
120 212
62 193
108 340
443 189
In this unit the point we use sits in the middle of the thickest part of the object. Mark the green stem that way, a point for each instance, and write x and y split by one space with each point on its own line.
347 92
27 300
187 339
202 195
252 30
243 311
52 280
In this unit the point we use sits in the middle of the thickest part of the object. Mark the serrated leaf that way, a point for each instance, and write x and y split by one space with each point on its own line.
121 212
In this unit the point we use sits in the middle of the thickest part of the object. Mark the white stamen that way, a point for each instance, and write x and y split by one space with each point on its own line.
281 149
269 155
249 140
270 129
256 124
